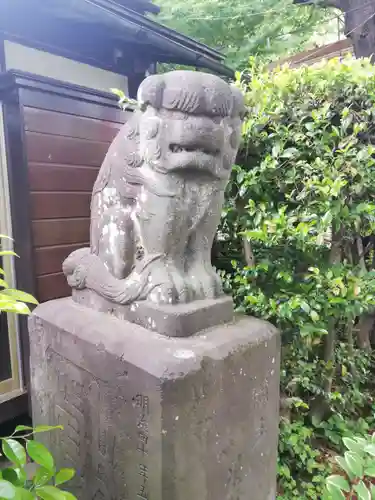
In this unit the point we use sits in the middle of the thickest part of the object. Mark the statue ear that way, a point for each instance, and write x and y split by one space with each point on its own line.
238 103
150 92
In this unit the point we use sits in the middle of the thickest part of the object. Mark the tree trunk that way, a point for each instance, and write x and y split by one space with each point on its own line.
248 252
335 257
364 329
360 25
359 17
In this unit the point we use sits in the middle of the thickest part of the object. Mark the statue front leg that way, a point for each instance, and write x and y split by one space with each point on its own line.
163 228
115 240
203 278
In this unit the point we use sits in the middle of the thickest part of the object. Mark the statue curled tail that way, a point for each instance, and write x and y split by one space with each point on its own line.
84 269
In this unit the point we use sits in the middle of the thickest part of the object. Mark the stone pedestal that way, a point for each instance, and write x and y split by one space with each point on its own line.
156 418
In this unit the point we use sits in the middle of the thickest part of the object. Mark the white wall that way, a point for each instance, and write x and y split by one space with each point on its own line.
20 57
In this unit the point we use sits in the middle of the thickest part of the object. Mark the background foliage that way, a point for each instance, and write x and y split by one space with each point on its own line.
267 28
11 300
43 481
296 247
20 449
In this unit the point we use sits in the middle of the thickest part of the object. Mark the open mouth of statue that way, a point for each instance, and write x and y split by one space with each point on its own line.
177 148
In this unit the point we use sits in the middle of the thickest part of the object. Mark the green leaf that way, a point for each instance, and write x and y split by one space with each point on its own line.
23 494
362 491
314 315
354 463
336 481
50 493
69 496
8 305
38 428
335 492
63 476
353 445
21 428
342 463
370 471
3 283
305 306
3 253
22 476
42 476
40 455
47 428
21 296
7 490
10 475
372 492
14 451
370 449
118 92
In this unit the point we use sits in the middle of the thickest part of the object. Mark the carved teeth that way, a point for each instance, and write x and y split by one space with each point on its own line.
179 149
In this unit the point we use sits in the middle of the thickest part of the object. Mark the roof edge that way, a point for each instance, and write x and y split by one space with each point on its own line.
140 20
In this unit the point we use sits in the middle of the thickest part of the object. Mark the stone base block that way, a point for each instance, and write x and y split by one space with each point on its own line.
173 320
150 417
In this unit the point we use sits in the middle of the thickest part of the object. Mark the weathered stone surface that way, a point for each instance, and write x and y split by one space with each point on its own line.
157 418
173 320
162 184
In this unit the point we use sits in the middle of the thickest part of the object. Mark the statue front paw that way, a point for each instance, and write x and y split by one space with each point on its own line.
204 282
162 288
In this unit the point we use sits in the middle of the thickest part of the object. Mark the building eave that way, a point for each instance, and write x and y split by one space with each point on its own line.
185 49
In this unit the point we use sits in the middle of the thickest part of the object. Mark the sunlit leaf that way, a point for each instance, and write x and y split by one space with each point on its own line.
362 492
42 476
21 428
370 471
342 462
10 475
63 476
14 451
352 445
23 494
18 295
354 463
370 449
69 496
7 490
4 253
339 482
51 493
47 428
3 283
40 455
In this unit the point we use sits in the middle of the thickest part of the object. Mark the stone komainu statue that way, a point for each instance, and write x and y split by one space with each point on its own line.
162 184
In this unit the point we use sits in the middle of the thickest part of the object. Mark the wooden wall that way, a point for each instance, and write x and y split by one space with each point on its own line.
65 143
64 153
